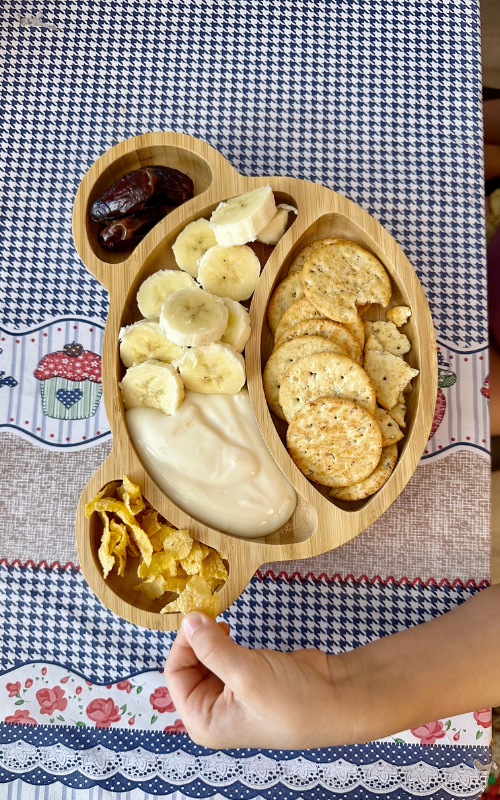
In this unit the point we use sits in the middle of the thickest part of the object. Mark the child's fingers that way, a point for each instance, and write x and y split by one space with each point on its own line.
216 650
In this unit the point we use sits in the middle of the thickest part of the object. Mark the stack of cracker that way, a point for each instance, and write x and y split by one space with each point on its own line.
337 381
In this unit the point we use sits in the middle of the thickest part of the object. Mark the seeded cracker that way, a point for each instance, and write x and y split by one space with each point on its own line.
299 261
334 442
283 357
374 482
324 375
399 315
389 374
286 293
329 330
391 432
388 336
357 329
398 413
298 311
339 277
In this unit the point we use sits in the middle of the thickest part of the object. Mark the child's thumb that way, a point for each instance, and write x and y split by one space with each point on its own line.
215 649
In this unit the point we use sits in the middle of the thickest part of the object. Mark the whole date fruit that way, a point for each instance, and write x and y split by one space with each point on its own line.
142 188
119 234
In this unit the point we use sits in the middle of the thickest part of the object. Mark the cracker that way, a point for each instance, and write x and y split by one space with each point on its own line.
391 432
398 413
329 330
389 374
334 442
357 329
339 277
374 482
299 261
196 555
398 314
298 311
286 293
388 336
324 375
283 357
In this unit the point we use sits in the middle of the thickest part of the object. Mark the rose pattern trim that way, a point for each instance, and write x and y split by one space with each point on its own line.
142 702
51 700
103 712
483 717
161 700
429 733
21 717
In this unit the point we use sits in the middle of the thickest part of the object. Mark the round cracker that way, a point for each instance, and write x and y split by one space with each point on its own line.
283 357
341 276
357 329
374 482
334 442
286 293
299 261
324 374
298 311
330 330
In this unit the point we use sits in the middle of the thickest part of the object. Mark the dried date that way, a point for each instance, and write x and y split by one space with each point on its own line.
128 195
139 189
119 234
173 187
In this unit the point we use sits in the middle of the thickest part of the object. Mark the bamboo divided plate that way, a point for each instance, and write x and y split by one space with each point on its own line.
318 523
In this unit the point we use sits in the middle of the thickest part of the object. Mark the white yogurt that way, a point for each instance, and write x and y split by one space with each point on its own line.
211 460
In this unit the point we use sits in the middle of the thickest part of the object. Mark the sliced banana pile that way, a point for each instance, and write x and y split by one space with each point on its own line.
195 328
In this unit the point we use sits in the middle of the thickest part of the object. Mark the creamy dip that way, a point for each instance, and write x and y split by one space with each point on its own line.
211 460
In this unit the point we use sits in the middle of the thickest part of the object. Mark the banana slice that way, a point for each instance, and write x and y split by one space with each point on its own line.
238 328
273 232
213 369
158 287
192 243
230 271
153 384
241 219
144 341
192 317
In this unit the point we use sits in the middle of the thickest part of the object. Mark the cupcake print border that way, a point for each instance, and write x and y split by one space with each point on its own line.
54 396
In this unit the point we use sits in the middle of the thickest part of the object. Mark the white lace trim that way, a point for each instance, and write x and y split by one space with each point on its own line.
256 772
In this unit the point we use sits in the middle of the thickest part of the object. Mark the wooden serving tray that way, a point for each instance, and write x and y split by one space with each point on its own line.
318 523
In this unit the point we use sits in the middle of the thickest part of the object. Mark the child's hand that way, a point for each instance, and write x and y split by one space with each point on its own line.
229 696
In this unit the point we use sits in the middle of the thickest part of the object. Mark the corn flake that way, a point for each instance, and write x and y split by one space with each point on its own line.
197 596
130 494
161 565
158 538
178 544
212 569
192 562
149 522
104 553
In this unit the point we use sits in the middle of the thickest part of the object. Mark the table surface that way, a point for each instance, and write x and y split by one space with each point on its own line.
379 101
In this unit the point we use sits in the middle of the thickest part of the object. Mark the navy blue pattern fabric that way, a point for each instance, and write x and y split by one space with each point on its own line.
52 615
379 101
160 764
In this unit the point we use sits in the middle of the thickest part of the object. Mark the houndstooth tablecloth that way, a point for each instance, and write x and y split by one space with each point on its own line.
379 101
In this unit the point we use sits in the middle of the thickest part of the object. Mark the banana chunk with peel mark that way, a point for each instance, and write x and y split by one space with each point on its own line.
229 271
213 369
273 232
158 288
192 243
238 328
153 384
193 317
144 341
241 219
